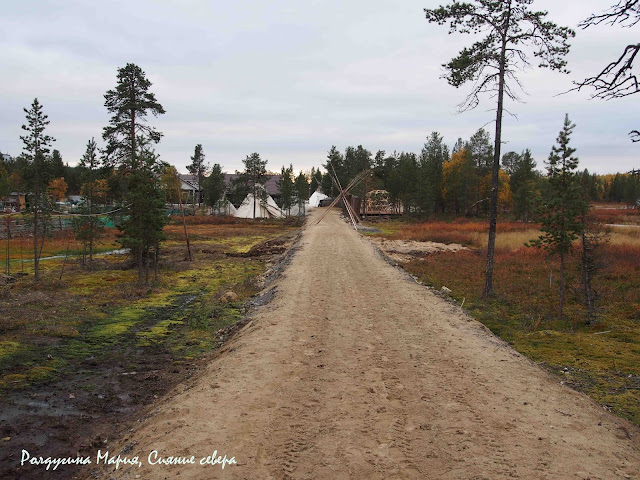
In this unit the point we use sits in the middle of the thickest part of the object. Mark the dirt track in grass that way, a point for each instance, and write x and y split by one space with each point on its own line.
355 371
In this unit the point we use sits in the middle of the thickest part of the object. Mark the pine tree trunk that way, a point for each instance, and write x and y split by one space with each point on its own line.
493 211
562 258
36 274
155 263
146 266
587 262
91 233
139 259
8 239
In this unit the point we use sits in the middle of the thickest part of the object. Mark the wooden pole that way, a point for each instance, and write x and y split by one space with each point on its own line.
184 223
21 256
64 262
352 184
8 240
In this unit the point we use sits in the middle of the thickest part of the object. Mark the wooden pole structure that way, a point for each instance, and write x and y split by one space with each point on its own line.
352 214
336 180
352 184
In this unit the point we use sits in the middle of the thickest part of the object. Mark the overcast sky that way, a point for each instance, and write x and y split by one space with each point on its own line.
290 78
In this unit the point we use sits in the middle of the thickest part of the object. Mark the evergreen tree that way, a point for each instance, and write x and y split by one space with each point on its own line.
301 185
429 182
631 190
563 213
251 180
37 172
5 184
509 162
459 145
481 151
592 239
73 177
129 139
287 189
57 166
88 226
491 63
198 168
239 189
316 178
142 231
523 183
335 163
214 188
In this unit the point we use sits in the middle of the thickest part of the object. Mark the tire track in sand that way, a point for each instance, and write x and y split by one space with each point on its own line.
354 371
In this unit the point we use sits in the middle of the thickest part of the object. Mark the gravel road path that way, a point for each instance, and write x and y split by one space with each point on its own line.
354 371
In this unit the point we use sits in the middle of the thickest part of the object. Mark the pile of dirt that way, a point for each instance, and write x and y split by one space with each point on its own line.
276 246
404 251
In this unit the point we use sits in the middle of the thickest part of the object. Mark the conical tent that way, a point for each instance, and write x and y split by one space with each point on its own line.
262 208
224 208
315 198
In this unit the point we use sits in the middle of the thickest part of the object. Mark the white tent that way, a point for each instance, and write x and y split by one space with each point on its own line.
262 208
224 207
315 198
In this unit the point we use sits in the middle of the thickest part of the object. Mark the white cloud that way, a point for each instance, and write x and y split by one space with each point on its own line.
289 79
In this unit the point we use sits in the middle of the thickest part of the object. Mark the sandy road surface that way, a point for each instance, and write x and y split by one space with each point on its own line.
353 371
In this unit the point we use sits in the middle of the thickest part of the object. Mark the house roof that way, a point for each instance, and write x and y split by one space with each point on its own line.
271 184
189 182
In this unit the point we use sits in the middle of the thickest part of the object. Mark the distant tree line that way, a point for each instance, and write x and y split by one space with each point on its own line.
457 180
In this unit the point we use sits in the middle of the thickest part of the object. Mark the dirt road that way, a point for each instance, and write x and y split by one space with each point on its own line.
354 371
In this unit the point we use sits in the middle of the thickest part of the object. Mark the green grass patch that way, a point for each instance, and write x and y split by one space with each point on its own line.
51 328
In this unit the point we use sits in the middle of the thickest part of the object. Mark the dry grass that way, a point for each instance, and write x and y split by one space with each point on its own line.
615 214
525 309
465 232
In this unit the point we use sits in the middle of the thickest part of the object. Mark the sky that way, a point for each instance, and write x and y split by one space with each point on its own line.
289 78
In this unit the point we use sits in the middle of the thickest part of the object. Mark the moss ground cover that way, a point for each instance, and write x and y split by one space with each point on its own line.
49 328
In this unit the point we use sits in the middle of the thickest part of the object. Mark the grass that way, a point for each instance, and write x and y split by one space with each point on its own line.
602 360
49 328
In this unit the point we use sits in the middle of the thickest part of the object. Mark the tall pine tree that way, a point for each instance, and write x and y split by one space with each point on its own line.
511 30
287 193
198 168
88 226
129 149
563 212
38 172
214 188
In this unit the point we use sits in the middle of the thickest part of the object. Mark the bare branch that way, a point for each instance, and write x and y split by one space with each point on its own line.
625 11
617 79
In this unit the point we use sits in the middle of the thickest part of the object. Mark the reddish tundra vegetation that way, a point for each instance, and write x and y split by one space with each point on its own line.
602 360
